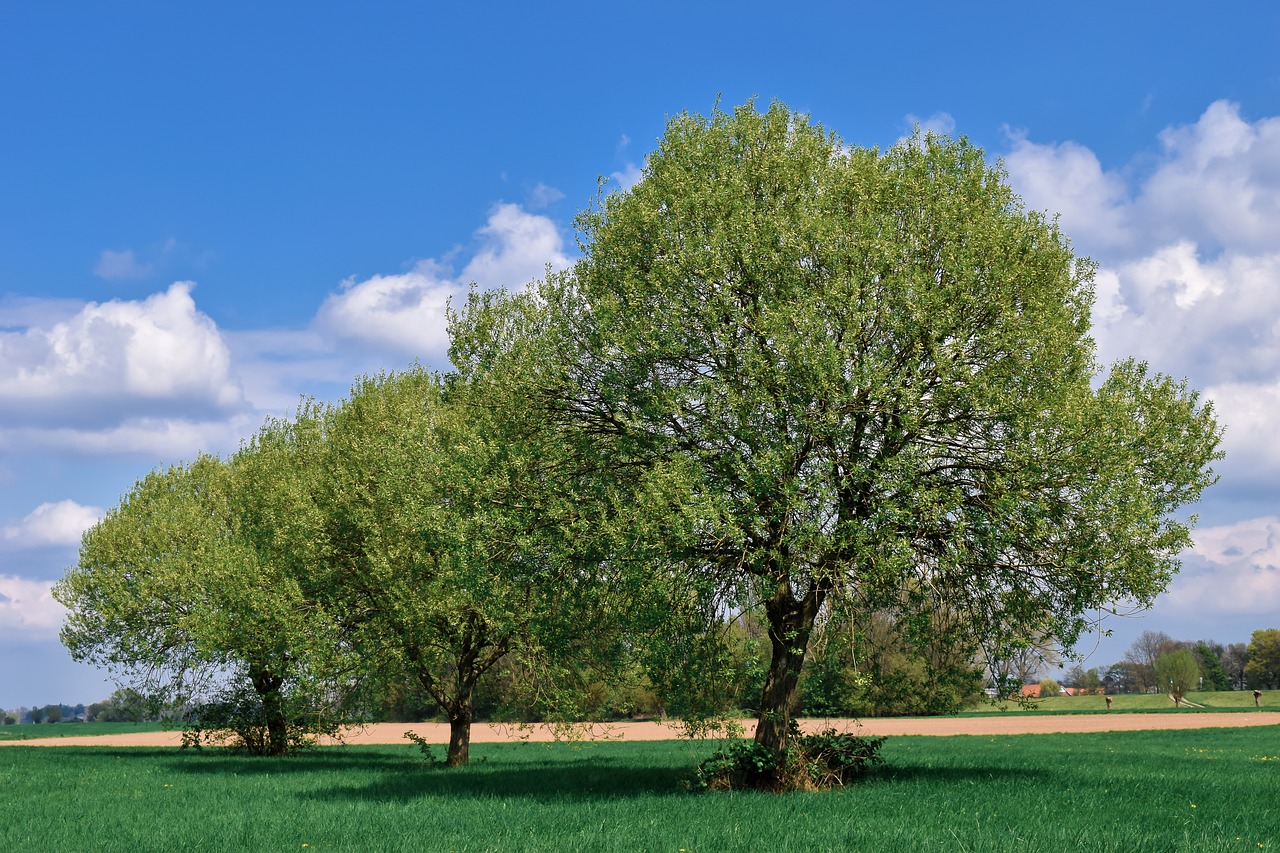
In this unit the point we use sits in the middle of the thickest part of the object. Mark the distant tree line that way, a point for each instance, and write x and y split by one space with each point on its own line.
123 705
1155 660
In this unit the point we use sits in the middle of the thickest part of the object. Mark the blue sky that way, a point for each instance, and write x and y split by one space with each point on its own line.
208 210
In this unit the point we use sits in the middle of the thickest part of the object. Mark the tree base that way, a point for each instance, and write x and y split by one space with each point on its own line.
828 759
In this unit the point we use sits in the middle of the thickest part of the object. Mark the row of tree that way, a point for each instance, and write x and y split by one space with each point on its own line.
794 391
1203 665
124 705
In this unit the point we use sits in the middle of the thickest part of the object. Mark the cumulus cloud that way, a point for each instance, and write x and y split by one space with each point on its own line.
115 360
1188 239
1214 183
1219 182
1189 243
28 607
1232 569
51 524
405 313
1067 179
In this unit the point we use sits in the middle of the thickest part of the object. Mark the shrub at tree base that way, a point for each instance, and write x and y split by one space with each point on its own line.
243 723
827 759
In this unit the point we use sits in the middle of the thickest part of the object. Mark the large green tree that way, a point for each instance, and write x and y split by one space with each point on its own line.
866 377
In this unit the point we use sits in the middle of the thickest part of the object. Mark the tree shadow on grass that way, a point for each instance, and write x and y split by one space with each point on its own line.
396 774
580 778
891 774
399 774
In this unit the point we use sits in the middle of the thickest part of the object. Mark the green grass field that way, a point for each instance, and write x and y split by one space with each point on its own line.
45 730
1203 790
1227 700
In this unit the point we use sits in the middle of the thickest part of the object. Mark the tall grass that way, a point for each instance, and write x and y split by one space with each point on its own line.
1208 789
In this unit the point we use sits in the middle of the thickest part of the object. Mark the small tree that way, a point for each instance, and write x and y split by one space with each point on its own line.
1177 671
1235 657
451 532
176 593
1049 688
1215 677
1263 668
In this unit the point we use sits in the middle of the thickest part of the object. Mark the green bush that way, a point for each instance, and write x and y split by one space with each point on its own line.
827 759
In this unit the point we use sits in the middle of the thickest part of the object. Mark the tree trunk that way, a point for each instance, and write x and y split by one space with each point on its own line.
790 624
267 685
459 734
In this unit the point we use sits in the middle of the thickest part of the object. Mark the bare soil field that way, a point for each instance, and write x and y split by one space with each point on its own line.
627 731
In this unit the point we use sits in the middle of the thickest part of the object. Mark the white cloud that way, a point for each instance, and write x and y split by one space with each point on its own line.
628 177
942 124
157 438
1233 569
1067 179
1215 183
1190 253
1219 182
57 524
120 265
28 607
117 360
405 313
543 195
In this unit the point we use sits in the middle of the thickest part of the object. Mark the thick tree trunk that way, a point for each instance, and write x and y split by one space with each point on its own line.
790 624
459 735
267 685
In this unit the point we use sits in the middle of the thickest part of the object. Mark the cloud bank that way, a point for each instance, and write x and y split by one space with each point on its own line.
1189 247
27 609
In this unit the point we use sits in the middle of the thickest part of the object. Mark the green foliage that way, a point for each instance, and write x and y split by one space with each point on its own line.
428 757
843 376
123 705
826 759
1177 672
1215 677
1049 688
457 542
1263 669
244 722
180 589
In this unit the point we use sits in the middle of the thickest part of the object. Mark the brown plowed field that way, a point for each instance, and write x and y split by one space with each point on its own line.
1000 725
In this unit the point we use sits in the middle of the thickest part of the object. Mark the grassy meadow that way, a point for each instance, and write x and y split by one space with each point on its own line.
1203 790
1217 701
35 731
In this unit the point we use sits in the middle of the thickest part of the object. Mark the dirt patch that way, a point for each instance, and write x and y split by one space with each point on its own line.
499 733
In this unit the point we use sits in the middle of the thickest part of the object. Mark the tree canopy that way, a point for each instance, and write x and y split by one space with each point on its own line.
176 592
454 539
1263 668
865 377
